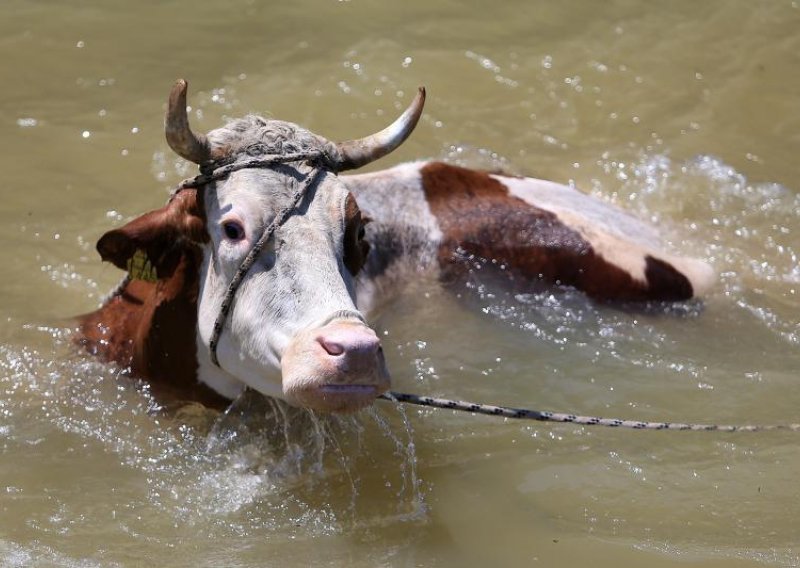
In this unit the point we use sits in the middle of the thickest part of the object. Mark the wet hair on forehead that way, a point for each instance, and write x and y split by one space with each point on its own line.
254 135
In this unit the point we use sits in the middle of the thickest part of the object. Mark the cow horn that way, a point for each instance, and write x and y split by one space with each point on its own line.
356 153
180 137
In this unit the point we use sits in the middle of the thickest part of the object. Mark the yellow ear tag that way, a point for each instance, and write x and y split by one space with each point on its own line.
140 268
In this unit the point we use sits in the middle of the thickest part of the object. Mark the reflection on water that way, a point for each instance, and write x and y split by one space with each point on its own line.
683 114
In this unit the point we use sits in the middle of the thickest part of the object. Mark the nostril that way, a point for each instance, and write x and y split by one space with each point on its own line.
331 347
353 343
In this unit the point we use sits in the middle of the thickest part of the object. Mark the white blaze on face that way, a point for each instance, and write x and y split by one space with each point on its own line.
297 284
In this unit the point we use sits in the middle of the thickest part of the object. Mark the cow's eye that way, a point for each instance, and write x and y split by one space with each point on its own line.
233 230
362 232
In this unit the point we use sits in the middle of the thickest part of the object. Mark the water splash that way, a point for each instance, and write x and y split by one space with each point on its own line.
410 491
260 464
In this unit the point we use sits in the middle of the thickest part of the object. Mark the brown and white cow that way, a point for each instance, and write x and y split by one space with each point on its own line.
297 327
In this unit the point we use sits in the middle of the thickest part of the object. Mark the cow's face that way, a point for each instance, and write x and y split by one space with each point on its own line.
293 331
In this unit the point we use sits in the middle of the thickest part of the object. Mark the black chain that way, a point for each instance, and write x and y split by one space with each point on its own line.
545 416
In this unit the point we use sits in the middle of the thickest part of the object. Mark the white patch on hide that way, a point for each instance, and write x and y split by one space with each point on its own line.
395 200
395 197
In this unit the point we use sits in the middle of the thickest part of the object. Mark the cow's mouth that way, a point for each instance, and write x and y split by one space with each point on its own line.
338 367
333 397
349 389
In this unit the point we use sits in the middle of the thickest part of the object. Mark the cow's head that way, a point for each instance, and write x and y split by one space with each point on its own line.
294 331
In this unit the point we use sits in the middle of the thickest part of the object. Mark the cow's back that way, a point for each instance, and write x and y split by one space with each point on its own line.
431 216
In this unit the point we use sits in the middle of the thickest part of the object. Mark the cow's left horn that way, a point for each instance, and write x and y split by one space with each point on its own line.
356 153
180 137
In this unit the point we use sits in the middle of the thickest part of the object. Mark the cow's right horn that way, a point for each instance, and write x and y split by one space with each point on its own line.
356 153
180 137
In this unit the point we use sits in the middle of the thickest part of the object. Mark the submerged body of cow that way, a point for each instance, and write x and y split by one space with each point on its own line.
261 271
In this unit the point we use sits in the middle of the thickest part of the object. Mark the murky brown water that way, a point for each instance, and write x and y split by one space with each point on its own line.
685 113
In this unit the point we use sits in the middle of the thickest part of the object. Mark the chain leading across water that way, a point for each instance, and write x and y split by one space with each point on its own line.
546 416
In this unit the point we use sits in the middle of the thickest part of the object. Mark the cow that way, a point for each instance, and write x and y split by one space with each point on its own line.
262 271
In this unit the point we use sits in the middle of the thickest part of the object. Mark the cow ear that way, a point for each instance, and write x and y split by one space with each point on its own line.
356 246
150 246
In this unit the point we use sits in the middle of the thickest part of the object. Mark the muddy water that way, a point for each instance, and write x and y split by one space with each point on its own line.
684 113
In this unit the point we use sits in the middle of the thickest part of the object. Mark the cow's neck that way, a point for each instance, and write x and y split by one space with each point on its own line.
150 328
165 332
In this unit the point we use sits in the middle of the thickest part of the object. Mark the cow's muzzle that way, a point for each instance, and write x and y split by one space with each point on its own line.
338 367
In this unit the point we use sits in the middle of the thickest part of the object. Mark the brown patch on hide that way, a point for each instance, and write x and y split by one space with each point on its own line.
355 247
479 217
150 327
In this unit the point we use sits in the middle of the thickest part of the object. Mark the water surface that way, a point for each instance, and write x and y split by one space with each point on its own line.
684 113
